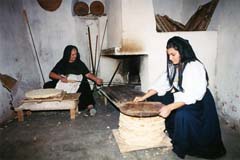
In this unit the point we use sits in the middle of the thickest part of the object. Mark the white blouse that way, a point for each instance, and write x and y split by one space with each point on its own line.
194 84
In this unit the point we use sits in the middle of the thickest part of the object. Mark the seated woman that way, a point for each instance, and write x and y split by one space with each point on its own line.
71 64
191 118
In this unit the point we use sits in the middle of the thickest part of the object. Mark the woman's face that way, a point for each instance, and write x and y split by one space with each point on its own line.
73 55
174 55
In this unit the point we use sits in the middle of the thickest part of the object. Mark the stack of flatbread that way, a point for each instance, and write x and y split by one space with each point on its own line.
43 93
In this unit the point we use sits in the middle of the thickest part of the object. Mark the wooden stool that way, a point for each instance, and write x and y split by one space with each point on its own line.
69 102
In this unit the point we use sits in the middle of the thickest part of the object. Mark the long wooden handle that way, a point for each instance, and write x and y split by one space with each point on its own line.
33 43
25 16
90 46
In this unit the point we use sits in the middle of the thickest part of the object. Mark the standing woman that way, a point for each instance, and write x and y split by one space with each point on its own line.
191 117
71 64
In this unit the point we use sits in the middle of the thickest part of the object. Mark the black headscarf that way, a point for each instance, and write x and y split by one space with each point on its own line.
67 54
65 68
186 55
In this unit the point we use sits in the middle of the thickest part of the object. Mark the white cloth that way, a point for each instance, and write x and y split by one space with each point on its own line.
194 84
70 87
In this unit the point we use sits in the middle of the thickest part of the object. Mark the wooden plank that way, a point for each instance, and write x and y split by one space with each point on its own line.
20 116
201 18
179 26
72 113
158 24
159 21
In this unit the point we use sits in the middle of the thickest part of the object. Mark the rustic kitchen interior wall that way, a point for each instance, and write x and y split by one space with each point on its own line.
52 31
16 53
227 65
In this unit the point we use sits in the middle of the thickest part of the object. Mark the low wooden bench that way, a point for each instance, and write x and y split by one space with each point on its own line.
68 102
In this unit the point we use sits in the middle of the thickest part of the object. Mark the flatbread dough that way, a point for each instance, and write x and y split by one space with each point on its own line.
43 93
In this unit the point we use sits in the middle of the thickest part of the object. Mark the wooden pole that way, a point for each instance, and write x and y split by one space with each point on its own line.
90 46
30 31
95 56
110 82
101 46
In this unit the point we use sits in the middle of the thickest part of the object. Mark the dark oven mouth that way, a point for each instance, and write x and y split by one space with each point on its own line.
130 70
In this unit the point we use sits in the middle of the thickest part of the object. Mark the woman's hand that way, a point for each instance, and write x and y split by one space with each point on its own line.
99 81
63 79
138 99
165 111
150 93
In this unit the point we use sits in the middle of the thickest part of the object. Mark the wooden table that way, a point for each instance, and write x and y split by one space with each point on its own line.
67 102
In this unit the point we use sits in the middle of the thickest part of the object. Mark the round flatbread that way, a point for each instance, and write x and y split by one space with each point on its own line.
43 93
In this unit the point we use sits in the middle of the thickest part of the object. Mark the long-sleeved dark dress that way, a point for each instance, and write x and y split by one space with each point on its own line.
194 128
63 67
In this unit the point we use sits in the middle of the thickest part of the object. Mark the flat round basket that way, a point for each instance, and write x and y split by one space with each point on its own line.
81 8
97 8
50 5
141 109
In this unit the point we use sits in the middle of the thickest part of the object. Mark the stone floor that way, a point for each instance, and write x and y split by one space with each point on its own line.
53 136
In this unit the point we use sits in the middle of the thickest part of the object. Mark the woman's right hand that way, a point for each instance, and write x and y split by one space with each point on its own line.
63 79
138 99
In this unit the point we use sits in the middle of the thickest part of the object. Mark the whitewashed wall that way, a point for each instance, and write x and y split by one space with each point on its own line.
51 31
226 22
16 54
204 45
139 28
227 72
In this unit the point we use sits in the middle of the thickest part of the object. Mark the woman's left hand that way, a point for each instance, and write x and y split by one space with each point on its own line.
99 81
165 111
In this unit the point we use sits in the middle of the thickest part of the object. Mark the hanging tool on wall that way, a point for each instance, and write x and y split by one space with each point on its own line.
33 43
101 47
95 55
90 46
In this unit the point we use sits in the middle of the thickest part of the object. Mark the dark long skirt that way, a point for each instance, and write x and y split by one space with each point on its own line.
86 97
194 129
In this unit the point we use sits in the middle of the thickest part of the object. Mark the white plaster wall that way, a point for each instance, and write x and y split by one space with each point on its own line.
225 21
16 54
53 31
112 38
204 45
173 8
138 26
227 72
114 27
